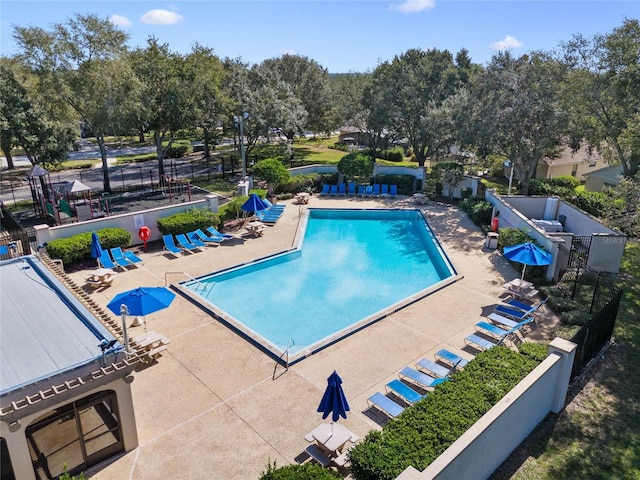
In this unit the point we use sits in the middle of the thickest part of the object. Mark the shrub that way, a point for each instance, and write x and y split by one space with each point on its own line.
575 317
77 248
511 236
306 471
356 165
393 155
478 209
188 221
176 151
424 430
271 171
565 181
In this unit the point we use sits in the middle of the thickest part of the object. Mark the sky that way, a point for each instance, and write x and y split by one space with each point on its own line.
342 36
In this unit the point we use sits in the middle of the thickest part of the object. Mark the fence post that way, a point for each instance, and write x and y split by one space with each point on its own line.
595 292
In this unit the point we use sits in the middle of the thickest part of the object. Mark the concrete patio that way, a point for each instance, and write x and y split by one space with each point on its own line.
210 408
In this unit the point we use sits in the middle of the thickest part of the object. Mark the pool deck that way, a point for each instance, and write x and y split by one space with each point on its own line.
210 407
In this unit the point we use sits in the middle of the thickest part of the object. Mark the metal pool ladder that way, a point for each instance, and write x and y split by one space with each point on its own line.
284 355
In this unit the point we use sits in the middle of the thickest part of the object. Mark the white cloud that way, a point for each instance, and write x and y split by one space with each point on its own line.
507 43
413 6
161 17
120 21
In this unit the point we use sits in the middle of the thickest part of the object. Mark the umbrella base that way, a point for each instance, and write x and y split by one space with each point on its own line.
136 322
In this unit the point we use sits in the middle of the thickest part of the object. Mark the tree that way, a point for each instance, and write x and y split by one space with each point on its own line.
272 171
168 100
206 76
77 62
308 82
356 165
413 88
516 111
602 92
23 124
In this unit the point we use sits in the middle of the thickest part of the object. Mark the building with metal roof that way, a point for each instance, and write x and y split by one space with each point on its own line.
65 396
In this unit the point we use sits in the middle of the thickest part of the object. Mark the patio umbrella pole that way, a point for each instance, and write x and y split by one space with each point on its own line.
123 312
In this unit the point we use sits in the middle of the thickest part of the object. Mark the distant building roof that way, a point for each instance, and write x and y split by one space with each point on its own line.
46 331
568 157
610 174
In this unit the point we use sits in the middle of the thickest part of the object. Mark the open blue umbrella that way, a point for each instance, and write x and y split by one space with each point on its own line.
139 302
142 300
254 204
333 401
96 248
527 254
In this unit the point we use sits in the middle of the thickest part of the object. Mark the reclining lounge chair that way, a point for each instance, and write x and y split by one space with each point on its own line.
385 404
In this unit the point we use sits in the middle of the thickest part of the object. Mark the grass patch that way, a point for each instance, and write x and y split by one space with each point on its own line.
598 435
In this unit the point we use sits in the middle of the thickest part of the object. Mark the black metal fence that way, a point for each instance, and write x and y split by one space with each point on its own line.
596 294
15 240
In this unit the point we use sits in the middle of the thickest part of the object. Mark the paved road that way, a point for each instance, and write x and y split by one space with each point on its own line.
138 174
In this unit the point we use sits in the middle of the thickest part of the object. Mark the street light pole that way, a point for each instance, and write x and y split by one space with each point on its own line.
239 120
507 164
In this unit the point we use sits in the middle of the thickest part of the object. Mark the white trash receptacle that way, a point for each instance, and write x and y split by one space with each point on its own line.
492 240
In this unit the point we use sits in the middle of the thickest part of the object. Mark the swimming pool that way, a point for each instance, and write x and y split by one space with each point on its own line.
350 268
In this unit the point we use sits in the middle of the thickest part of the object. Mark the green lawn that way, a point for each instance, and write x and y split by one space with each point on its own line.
598 435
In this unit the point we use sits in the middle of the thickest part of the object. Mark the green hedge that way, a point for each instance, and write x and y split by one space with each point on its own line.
426 429
478 209
188 221
306 471
77 248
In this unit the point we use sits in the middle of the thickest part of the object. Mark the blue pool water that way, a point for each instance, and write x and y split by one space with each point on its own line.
351 268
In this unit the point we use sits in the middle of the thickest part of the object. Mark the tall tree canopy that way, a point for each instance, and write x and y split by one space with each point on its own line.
410 92
308 81
516 110
79 63
602 93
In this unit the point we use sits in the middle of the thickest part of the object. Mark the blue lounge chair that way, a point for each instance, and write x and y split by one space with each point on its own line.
421 379
455 360
384 192
325 189
385 404
201 239
184 243
170 246
434 368
517 313
217 234
352 188
361 189
273 208
105 260
393 191
118 257
480 343
268 217
490 329
333 190
132 257
404 391
342 189
508 324
368 191
376 190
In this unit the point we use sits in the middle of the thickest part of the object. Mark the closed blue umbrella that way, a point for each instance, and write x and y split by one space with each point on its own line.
254 204
96 248
527 254
334 401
